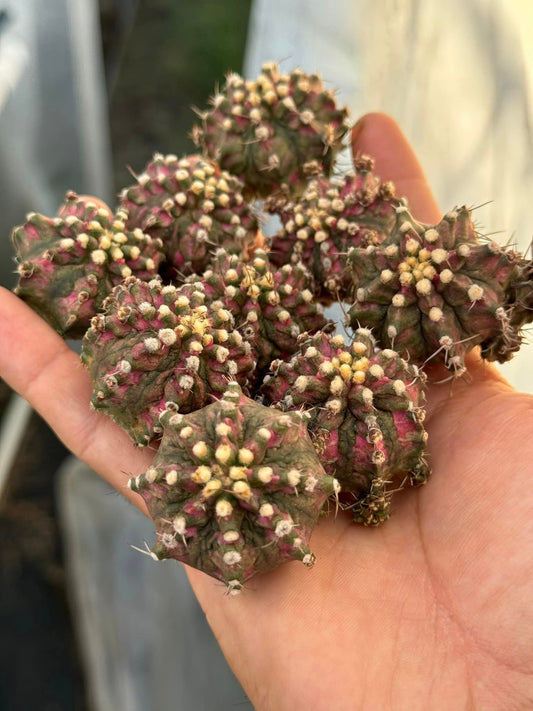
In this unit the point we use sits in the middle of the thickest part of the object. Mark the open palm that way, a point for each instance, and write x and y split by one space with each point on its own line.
431 610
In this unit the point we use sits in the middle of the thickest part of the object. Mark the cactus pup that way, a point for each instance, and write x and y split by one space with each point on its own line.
235 489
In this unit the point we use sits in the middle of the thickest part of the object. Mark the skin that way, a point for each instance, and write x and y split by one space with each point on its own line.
430 611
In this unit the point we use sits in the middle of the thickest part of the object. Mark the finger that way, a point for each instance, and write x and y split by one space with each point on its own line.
35 361
380 137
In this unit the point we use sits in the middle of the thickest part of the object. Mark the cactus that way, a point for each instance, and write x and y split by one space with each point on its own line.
156 344
366 415
68 264
333 215
271 308
435 291
273 132
193 206
235 489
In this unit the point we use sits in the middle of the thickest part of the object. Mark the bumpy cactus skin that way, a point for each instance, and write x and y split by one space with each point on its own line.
235 489
333 215
435 292
271 308
274 132
193 206
154 344
366 415
70 263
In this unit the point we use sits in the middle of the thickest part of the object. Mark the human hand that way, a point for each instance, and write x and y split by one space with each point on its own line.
428 611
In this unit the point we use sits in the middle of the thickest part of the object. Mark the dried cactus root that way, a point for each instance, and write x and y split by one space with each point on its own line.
333 215
274 132
156 344
194 207
436 292
68 264
366 415
235 489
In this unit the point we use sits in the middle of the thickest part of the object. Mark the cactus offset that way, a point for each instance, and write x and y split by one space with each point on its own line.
271 308
274 132
156 344
333 215
70 263
435 292
366 415
235 489
193 206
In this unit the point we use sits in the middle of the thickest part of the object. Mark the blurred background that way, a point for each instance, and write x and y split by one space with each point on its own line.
90 89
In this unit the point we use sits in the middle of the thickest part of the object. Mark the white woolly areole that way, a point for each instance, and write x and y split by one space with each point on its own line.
246 456
388 353
283 528
179 524
301 383
293 477
223 508
231 536
423 287
151 475
463 250
221 354
266 510
431 235
265 474
223 453
186 382
192 363
435 314
334 406
152 345
367 396
386 276
167 336
231 557
171 477
200 449
223 429
145 307
446 276
124 366
376 370
398 300
264 434
336 386
475 292
99 256
399 387
439 256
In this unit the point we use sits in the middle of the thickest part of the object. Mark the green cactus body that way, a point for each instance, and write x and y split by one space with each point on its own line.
235 489
333 215
156 344
366 415
68 264
194 207
434 292
273 132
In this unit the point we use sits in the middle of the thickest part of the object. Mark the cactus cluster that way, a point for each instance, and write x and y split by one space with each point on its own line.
210 342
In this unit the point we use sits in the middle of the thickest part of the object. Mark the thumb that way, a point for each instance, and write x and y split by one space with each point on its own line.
380 137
